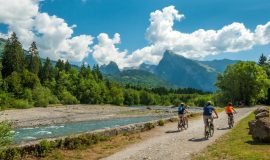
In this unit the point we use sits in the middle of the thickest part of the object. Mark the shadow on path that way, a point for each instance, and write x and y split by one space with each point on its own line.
225 128
197 139
174 131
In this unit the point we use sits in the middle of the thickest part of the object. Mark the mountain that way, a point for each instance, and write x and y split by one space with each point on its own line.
219 65
111 69
137 77
147 67
184 72
172 70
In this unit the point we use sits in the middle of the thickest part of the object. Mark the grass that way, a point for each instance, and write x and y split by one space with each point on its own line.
97 151
237 144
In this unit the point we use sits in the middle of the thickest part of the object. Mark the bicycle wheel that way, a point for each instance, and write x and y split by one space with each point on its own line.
206 133
211 130
186 124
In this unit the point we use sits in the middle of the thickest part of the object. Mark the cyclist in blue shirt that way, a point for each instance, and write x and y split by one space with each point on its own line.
207 113
182 112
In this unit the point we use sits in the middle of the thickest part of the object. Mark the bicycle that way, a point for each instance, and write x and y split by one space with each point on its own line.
230 120
209 129
182 123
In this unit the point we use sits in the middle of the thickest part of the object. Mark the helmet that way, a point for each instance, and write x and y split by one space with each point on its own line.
182 104
230 104
209 103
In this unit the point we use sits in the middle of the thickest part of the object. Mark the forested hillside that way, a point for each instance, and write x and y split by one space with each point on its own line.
26 81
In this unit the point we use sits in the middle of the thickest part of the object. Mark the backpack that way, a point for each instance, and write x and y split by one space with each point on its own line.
181 109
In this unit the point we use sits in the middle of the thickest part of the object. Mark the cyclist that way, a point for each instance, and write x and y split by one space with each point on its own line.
182 112
230 110
207 113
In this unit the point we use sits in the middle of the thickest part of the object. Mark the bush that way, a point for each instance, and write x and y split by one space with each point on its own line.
43 148
149 126
68 98
5 134
42 96
161 122
10 154
5 100
20 104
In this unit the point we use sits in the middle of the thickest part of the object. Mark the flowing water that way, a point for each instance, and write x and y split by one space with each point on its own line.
29 134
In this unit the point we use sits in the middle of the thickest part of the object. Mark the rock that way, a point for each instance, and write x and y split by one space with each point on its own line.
149 108
262 115
260 129
261 109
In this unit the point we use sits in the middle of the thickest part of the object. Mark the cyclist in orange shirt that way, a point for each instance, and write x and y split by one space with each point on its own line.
230 110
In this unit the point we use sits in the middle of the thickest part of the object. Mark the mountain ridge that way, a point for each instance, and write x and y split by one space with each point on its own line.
178 71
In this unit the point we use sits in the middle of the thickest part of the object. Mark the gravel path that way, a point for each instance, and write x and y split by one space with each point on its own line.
167 143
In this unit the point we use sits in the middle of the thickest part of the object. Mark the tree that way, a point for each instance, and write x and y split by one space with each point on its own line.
243 81
46 72
13 56
97 73
67 66
60 65
262 60
34 60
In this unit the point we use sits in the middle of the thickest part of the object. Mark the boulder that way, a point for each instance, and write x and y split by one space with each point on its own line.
262 115
260 129
261 109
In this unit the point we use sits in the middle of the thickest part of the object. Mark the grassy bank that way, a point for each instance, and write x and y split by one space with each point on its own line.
237 144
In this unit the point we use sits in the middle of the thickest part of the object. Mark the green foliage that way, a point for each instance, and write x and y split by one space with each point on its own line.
43 148
42 96
33 60
146 98
161 122
20 104
244 81
46 73
13 56
5 134
262 60
67 98
149 126
201 100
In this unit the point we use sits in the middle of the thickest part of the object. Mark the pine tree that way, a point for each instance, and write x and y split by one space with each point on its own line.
60 65
13 56
67 66
262 60
46 72
34 60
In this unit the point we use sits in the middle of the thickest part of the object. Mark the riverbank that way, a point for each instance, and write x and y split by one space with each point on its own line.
63 114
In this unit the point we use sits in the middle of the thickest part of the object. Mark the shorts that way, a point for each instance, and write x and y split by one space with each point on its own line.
205 118
230 114
181 115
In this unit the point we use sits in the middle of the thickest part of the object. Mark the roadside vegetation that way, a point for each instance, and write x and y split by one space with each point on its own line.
27 81
237 144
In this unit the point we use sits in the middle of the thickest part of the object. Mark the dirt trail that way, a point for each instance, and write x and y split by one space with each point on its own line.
167 143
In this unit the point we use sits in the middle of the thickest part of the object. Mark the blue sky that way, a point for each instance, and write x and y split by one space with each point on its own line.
130 18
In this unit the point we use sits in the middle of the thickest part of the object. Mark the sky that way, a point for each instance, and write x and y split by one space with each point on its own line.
131 32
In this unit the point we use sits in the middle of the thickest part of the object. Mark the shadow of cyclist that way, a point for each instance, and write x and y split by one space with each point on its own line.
174 131
197 139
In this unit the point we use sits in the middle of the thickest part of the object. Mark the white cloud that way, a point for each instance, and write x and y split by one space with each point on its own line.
106 51
234 37
52 34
